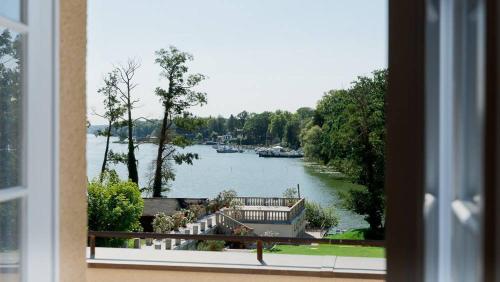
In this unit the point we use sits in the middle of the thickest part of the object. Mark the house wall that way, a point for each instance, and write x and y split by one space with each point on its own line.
72 140
133 275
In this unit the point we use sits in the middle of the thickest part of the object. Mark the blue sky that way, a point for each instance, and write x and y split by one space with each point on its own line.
259 55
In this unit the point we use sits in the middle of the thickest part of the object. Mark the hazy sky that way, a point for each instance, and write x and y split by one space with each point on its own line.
258 54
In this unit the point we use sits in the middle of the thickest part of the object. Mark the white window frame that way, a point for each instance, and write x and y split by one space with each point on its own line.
39 186
454 133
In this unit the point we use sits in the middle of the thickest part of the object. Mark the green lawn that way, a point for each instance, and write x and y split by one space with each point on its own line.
329 250
354 234
333 250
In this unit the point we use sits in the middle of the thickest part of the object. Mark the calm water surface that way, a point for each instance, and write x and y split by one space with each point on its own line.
246 173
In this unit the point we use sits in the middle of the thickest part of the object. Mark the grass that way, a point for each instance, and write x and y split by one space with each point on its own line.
333 250
354 234
329 250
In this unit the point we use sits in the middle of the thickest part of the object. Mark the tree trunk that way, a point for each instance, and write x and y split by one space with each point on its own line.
131 161
108 135
159 158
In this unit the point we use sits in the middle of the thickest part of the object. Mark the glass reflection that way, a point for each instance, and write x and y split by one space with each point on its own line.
11 9
10 108
10 254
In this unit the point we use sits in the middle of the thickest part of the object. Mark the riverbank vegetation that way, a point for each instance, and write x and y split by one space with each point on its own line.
348 134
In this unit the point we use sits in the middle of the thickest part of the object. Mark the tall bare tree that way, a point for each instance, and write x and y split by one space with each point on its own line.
176 100
125 85
114 110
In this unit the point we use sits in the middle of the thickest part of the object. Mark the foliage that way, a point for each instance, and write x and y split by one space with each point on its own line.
211 245
114 110
277 124
162 223
348 133
179 219
176 100
354 234
256 128
197 211
225 198
114 205
241 231
291 194
319 217
125 85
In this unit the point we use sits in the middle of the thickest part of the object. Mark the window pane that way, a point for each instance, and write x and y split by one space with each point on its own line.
11 9
10 108
10 251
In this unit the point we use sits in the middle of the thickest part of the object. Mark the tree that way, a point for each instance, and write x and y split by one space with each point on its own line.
242 118
277 124
114 205
231 124
176 99
256 128
291 132
125 85
311 143
114 110
305 113
366 149
348 132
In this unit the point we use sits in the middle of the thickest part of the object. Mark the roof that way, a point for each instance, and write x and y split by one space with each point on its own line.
169 206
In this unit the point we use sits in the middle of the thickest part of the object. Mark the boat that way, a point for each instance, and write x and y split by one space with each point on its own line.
279 152
228 149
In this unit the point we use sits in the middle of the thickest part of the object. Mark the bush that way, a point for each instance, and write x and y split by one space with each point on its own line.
179 219
211 245
114 205
241 231
197 210
162 223
291 195
225 197
319 217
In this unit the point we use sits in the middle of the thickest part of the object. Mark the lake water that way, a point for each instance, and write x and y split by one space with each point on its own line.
245 172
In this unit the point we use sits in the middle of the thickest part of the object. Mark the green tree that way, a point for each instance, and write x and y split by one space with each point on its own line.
311 143
125 85
291 132
114 205
176 100
242 118
348 132
256 128
305 113
232 124
277 124
114 110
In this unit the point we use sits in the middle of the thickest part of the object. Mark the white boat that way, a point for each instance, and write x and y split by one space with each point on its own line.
228 149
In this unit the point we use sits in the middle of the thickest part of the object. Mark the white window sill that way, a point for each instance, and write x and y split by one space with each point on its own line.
238 262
